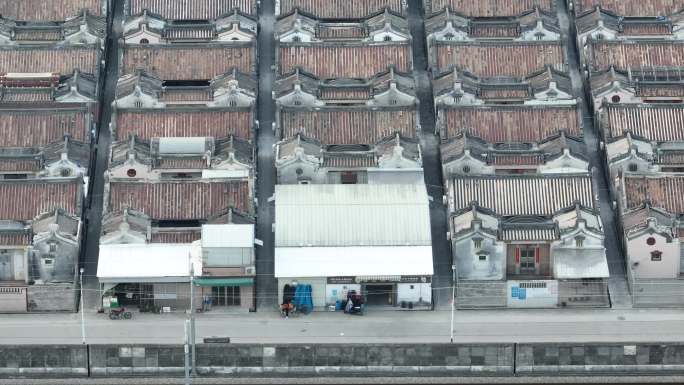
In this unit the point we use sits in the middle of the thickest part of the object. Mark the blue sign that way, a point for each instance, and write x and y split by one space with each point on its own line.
522 294
519 293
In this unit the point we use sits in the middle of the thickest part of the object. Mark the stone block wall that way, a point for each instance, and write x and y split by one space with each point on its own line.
300 360
587 359
57 297
51 361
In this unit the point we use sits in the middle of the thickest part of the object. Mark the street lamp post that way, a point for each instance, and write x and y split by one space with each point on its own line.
453 299
83 335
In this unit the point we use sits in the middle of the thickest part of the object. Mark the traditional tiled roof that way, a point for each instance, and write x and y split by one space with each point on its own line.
77 85
177 31
77 151
231 215
151 84
646 84
184 122
53 59
189 9
522 154
638 216
514 88
663 191
24 199
340 9
189 61
359 29
20 160
654 122
344 60
510 124
631 7
344 89
495 58
18 237
528 229
488 8
636 54
34 125
41 32
492 27
350 156
186 200
630 26
48 10
348 125
523 195
173 235
147 152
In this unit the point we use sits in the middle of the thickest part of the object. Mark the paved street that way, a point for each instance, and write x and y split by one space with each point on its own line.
429 141
617 284
266 176
627 325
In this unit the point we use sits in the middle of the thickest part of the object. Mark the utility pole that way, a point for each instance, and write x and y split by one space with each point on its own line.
186 351
192 313
453 299
83 334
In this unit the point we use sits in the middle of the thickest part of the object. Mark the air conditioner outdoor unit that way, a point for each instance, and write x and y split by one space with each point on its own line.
250 270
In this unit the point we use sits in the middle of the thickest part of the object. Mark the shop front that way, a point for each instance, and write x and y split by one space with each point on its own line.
408 287
226 293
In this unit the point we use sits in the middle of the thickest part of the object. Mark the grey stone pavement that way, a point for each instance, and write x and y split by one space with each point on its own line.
376 326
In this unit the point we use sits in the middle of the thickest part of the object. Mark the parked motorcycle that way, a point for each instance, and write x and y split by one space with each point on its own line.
120 313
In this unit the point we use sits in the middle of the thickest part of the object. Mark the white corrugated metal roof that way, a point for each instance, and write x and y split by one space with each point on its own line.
352 261
579 263
182 145
155 262
352 215
220 174
229 235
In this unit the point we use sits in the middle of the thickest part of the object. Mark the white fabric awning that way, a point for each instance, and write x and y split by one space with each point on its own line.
148 263
353 261
579 263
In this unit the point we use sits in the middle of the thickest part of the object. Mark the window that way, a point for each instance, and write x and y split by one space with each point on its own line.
48 261
299 171
131 173
656 256
579 242
232 103
393 102
296 39
633 167
615 99
449 36
651 241
297 102
53 247
599 36
387 38
138 104
539 36
65 172
466 169
482 258
144 41
477 243
527 262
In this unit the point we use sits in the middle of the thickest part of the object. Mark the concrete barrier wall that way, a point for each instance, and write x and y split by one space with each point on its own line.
52 361
340 360
588 359
306 360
